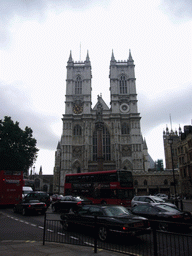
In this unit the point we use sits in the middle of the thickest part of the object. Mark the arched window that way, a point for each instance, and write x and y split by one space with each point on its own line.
123 85
37 184
124 128
77 130
45 188
95 146
106 145
145 182
78 85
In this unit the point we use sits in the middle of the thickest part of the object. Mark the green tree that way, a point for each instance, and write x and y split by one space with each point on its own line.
17 147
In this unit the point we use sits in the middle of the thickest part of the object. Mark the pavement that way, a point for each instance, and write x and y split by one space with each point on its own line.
31 248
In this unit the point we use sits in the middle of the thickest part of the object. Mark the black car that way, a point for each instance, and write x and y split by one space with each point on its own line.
30 206
162 212
109 219
39 195
69 203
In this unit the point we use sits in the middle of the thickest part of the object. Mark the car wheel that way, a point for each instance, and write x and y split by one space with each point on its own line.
24 212
65 225
103 233
54 208
71 210
163 226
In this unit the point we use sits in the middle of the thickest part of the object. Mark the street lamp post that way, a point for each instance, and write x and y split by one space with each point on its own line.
170 141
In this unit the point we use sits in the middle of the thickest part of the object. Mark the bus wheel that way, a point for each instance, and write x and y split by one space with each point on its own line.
103 233
103 202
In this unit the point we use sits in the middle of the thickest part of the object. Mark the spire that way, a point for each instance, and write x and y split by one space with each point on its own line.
180 130
59 145
130 56
87 58
144 144
70 60
112 58
87 61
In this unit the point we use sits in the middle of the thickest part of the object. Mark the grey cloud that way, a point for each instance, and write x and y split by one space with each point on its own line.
178 8
34 9
17 104
178 104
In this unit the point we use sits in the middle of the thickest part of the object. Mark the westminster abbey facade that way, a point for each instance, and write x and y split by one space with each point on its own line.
100 137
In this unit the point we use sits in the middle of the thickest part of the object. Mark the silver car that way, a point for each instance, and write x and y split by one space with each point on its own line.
149 199
162 196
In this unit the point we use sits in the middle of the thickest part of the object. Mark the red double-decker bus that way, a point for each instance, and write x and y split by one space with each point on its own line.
11 183
103 187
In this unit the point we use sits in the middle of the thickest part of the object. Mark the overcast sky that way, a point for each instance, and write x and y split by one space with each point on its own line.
36 37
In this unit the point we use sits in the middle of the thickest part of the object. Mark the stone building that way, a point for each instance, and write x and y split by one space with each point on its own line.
155 182
100 137
185 161
175 138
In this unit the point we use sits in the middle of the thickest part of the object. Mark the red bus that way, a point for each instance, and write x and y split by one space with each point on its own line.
103 187
11 183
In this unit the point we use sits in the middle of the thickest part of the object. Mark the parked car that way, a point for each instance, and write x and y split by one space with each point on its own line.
30 206
137 200
165 213
56 197
110 219
39 195
68 203
162 196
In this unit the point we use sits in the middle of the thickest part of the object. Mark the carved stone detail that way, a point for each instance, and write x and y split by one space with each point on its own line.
77 151
126 150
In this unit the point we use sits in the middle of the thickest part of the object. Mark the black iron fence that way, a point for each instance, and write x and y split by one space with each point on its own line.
157 243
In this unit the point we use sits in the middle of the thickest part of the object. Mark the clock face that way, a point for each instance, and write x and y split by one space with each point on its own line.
124 108
77 109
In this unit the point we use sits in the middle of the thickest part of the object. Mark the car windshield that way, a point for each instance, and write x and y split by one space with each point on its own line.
80 198
168 208
113 211
158 200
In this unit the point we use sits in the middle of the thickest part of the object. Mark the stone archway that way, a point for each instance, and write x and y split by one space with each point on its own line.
127 165
76 167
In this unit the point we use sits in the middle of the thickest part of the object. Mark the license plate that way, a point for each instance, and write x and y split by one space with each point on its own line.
139 224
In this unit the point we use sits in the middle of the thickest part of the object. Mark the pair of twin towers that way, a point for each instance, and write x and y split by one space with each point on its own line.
101 137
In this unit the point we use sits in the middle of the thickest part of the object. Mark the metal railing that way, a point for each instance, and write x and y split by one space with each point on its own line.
157 243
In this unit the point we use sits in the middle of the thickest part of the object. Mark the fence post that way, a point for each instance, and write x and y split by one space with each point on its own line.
44 229
181 202
95 239
154 228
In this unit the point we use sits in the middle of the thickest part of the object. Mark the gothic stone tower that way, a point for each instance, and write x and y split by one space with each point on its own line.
100 137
